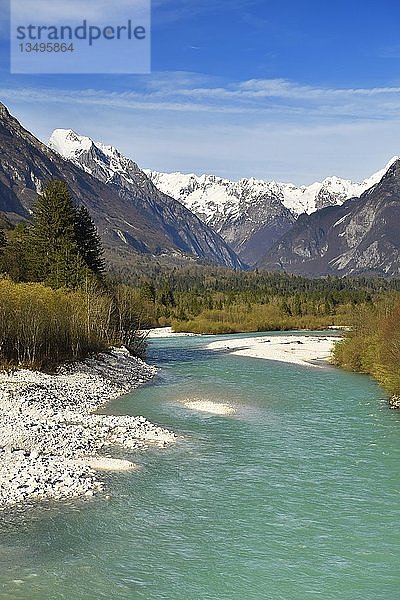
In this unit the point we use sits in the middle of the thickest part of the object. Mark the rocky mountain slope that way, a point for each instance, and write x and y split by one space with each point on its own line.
168 216
360 237
253 214
132 216
314 230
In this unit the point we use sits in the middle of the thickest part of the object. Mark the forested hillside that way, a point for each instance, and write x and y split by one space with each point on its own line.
215 300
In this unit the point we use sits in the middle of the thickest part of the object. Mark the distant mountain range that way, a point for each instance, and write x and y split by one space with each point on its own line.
336 227
253 214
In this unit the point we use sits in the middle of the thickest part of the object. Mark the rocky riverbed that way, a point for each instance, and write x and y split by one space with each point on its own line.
394 402
52 446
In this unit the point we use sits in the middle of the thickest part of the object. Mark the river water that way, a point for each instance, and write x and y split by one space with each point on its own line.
293 497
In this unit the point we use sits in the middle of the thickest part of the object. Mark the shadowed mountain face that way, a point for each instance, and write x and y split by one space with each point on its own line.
132 218
360 237
252 233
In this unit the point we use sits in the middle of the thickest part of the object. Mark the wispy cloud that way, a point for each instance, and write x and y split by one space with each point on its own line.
166 12
192 122
392 51
190 92
114 100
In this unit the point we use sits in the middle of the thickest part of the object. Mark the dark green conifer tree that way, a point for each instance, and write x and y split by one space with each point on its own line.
58 261
88 240
148 291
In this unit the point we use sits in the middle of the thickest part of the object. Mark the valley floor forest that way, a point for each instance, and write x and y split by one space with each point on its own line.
59 302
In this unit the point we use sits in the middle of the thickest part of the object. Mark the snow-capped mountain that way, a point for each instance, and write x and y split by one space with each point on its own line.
251 214
213 197
360 236
168 218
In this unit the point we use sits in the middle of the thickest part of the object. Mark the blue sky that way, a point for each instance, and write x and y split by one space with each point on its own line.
292 91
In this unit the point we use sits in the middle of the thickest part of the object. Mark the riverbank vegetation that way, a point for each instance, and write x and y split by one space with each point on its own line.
55 302
373 344
41 327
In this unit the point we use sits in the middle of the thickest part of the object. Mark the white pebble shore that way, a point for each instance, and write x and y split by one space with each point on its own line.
50 439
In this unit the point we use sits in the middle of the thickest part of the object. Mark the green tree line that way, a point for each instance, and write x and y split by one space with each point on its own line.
214 300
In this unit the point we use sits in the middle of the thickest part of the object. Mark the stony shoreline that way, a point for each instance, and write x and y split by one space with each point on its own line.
52 446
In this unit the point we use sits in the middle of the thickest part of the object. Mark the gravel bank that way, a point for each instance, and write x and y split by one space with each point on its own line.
306 350
164 332
49 439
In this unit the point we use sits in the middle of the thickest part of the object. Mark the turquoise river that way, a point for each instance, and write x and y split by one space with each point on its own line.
293 497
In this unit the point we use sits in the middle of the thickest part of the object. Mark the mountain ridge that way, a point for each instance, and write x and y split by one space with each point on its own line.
251 213
254 215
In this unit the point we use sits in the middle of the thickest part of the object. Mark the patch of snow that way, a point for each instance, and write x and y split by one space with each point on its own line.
122 236
340 221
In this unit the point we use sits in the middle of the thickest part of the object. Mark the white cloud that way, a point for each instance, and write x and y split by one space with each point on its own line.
272 99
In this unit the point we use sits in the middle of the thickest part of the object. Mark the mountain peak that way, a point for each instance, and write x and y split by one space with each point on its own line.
75 147
4 111
68 143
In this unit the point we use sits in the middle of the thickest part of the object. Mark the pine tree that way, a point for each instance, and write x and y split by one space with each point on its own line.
56 252
16 254
148 291
88 240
